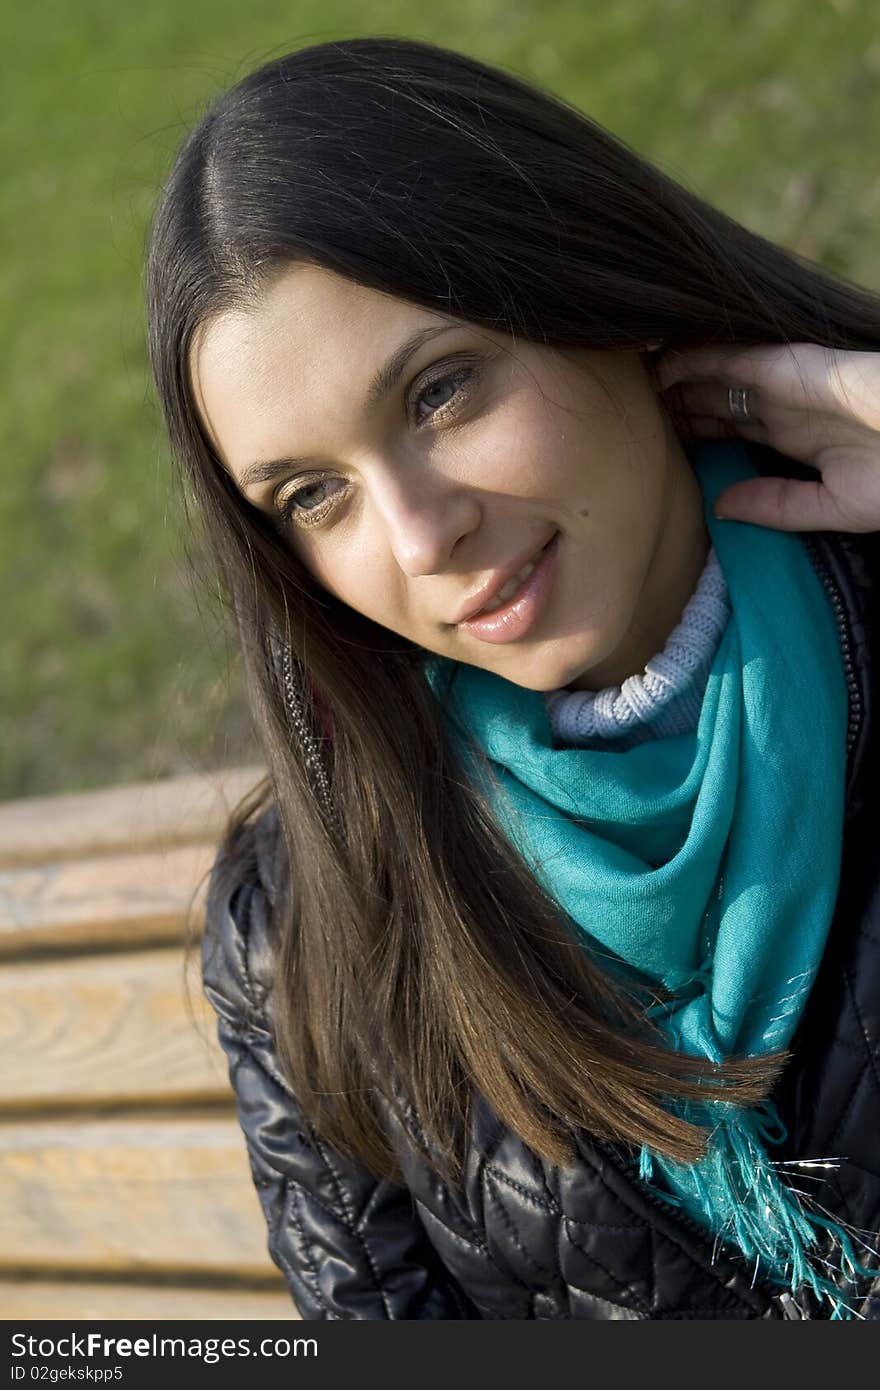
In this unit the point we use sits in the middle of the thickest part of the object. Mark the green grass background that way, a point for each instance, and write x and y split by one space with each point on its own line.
113 664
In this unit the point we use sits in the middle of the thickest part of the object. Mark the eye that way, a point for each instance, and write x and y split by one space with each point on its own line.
452 388
300 506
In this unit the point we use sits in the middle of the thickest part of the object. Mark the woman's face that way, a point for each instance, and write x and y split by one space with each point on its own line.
417 475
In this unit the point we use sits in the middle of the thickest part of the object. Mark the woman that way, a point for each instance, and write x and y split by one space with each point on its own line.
529 955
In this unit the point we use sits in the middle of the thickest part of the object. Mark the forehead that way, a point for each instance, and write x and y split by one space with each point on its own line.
252 368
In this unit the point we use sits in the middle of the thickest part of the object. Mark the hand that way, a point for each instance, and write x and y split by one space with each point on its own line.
818 405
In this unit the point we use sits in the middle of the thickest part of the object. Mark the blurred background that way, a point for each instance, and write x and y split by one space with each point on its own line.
115 666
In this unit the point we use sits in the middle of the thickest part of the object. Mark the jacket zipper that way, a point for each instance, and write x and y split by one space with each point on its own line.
855 695
784 1303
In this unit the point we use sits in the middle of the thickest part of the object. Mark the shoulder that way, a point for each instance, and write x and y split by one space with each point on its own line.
238 941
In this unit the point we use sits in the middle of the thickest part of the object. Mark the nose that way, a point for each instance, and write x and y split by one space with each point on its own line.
425 516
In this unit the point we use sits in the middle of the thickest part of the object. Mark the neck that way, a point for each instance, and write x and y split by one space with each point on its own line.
679 558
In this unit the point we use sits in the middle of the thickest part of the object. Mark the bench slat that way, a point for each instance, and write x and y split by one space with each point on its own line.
162 1196
117 1028
28 1299
117 900
139 815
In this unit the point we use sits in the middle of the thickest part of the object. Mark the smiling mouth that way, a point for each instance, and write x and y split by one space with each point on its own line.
510 616
508 590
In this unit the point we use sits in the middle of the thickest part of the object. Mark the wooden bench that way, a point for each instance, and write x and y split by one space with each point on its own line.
125 1190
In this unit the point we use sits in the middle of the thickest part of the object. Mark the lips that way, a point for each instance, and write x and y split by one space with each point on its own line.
487 595
513 618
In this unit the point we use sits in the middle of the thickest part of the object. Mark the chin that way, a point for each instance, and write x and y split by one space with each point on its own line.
546 672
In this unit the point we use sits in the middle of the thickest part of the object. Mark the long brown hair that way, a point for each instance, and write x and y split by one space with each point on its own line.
417 955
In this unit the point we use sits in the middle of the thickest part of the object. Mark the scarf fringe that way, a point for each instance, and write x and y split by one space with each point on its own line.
737 1187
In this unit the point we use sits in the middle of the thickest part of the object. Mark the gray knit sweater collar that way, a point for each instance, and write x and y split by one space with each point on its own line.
666 697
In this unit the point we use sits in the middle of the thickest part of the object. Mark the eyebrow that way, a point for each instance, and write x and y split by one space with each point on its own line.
381 386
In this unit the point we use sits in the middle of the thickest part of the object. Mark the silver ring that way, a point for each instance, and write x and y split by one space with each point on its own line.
738 400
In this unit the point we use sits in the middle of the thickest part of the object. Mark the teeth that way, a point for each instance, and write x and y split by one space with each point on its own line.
509 588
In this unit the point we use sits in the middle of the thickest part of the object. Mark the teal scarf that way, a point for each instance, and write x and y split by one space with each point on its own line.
709 861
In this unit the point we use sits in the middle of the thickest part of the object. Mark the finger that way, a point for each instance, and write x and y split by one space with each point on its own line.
739 365
717 427
707 398
782 503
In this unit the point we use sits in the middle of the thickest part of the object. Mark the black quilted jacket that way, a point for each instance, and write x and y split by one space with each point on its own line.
527 1240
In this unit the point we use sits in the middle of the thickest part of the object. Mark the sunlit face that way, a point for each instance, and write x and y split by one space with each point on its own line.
408 498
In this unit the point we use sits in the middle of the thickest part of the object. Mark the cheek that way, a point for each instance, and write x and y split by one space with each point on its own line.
570 452
361 577
519 453
329 567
